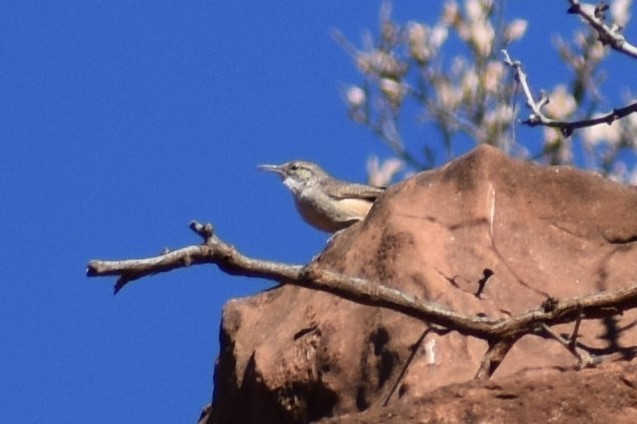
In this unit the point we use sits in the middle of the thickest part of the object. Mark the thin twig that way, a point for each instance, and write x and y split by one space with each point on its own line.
608 36
585 359
576 329
537 117
493 357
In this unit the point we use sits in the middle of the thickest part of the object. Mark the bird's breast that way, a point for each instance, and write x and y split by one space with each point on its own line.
330 214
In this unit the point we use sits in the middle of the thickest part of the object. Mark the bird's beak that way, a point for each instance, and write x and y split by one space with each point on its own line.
272 168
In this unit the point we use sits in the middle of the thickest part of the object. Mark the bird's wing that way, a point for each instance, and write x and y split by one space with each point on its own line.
357 191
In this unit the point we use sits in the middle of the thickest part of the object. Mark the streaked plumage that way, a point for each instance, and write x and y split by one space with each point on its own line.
325 202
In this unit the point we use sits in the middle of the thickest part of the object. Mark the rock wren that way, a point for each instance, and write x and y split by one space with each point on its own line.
325 202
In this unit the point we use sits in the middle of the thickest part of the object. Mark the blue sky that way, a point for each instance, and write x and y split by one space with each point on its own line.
122 121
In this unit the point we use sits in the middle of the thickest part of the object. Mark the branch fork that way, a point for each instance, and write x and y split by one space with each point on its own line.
501 334
537 117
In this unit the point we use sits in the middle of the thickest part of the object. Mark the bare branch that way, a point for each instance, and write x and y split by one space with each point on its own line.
537 117
229 260
212 251
500 333
608 36
493 357
578 322
585 359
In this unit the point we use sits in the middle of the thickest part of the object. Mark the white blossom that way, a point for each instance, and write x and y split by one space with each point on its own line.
620 11
494 73
482 35
562 104
515 30
380 175
379 62
393 90
475 10
355 96
551 135
450 14
602 133
424 42
596 52
477 29
469 83
417 35
501 114
439 35
448 96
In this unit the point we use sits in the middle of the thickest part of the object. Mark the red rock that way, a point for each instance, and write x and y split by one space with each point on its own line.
297 355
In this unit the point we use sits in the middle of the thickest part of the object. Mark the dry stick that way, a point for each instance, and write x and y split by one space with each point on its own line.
229 260
576 329
212 251
494 356
537 117
608 36
500 333
584 358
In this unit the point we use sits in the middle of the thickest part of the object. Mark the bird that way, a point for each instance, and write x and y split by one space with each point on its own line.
327 204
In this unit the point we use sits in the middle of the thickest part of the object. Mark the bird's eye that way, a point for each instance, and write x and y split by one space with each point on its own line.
294 167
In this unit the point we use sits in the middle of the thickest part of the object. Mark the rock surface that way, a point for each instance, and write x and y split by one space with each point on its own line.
297 355
605 395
